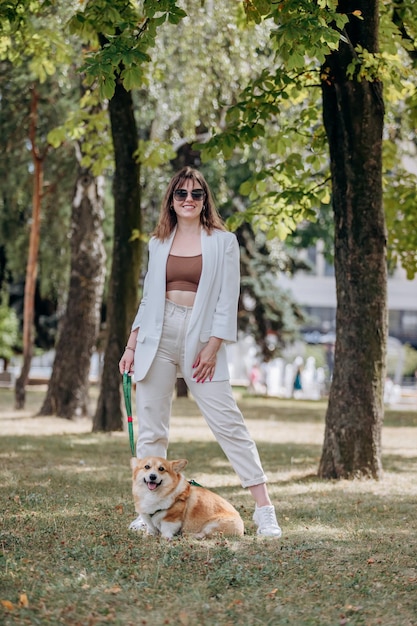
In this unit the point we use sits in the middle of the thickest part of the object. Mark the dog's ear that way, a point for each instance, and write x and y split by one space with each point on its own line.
179 465
134 462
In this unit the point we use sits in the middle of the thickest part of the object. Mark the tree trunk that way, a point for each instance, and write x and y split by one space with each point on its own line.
353 117
123 287
32 263
67 394
181 388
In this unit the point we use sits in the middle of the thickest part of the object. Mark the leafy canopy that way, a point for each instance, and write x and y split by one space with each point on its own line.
120 33
31 34
281 110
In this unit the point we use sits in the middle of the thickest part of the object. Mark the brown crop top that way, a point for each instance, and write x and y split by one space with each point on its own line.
183 272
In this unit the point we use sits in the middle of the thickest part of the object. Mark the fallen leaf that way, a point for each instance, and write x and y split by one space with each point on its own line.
184 618
119 509
353 609
9 606
23 600
271 594
113 590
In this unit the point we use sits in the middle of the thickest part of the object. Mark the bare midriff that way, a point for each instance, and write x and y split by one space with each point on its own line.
183 298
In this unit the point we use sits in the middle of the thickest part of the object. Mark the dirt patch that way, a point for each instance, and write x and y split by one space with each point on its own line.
27 423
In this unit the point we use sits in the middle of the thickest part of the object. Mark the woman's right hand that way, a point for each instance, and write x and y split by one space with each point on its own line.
127 361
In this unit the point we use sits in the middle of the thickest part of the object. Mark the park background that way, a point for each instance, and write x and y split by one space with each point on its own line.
302 117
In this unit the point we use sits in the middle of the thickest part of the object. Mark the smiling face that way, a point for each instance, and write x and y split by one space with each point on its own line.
189 207
155 474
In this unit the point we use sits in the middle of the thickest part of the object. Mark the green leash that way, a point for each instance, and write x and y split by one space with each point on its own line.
194 483
127 387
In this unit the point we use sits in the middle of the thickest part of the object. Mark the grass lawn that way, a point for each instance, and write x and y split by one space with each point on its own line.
348 553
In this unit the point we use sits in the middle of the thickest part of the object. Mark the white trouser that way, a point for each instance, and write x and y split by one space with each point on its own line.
215 400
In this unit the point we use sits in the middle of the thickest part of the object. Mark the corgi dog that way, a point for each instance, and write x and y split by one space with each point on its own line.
170 505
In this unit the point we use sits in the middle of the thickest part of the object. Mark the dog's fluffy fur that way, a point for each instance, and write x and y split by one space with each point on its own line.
170 505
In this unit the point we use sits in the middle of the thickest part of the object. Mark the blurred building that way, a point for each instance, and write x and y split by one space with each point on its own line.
315 291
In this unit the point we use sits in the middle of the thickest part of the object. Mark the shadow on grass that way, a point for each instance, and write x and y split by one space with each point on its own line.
92 457
289 410
400 419
263 408
62 497
99 461
78 451
399 464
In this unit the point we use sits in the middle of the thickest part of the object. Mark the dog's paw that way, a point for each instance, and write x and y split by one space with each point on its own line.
200 536
138 524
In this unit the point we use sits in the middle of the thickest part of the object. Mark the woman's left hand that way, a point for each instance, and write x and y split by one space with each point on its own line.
205 361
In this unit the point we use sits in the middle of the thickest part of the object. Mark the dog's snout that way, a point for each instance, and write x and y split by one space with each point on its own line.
152 477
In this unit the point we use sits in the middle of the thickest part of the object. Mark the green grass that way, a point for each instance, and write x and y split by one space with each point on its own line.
347 556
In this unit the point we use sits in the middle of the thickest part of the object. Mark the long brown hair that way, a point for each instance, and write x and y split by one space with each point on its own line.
209 217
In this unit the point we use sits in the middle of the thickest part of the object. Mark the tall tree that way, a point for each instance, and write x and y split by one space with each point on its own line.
332 45
41 53
353 112
124 34
126 259
16 173
38 156
67 394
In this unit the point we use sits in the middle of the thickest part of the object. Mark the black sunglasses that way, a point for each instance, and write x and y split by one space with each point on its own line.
196 194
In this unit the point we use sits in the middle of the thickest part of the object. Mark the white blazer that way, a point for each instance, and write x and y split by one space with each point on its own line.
215 307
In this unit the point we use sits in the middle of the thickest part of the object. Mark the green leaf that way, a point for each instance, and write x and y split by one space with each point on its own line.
246 187
176 15
57 136
234 221
295 60
263 6
132 78
106 88
325 197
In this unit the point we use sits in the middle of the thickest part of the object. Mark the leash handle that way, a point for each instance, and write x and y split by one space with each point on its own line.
127 389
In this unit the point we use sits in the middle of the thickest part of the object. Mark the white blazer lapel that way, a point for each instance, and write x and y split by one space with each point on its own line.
160 280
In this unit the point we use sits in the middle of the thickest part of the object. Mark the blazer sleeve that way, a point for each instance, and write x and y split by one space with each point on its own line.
225 315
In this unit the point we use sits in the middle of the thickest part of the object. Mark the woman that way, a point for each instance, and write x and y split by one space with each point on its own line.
187 315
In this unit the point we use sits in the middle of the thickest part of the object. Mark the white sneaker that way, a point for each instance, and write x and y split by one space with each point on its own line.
138 524
266 521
